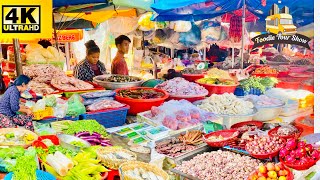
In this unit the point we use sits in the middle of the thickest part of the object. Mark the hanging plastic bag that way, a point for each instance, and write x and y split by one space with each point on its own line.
75 106
145 22
61 110
182 26
191 38
39 106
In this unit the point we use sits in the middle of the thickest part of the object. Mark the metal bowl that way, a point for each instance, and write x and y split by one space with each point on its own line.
100 80
65 141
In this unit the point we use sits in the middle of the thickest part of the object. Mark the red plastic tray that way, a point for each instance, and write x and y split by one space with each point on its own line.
231 134
273 132
192 77
141 105
297 166
266 156
219 89
290 176
258 124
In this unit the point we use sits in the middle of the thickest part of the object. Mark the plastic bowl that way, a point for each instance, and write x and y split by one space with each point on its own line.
307 129
229 120
273 132
297 69
265 75
141 105
230 134
115 85
267 113
302 76
308 87
290 175
289 83
283 74
298 166
192 77
219 89
258 124
266 156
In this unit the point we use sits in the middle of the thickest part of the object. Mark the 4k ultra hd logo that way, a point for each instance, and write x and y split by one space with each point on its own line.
21 19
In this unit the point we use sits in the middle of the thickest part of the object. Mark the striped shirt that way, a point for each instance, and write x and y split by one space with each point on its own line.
9 102
84 72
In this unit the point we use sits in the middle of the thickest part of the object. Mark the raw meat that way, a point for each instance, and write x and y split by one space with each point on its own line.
43 73
40 88
70 84
170 122
104 104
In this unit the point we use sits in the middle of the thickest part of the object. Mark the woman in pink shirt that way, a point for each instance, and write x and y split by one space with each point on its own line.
119 65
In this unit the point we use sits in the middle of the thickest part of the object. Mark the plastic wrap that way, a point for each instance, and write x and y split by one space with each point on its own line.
99 94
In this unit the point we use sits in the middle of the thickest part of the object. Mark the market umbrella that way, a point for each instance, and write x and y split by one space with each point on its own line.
192 10
139 4
61 3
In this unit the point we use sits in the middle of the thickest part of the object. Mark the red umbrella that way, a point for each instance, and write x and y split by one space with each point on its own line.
249 16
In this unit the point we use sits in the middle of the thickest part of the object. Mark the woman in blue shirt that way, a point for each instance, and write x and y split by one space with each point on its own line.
10 105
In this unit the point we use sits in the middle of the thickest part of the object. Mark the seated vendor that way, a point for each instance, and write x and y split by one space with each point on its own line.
87 69
10 105
119 64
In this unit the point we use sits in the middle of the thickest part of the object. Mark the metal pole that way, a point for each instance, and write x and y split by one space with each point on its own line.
17 56
243 26
55 32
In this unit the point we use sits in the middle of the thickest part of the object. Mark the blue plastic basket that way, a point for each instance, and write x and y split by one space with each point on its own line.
108 118
240 91
41 175
53 119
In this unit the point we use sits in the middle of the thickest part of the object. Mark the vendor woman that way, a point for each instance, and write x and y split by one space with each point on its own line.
10 105
119 64
91 66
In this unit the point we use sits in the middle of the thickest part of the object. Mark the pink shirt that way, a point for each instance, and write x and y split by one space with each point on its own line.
119 65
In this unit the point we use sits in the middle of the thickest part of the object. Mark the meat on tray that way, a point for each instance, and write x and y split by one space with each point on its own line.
104 104
173 147
70 84
42 72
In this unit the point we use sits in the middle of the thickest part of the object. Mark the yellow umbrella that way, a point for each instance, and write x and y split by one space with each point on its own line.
101 16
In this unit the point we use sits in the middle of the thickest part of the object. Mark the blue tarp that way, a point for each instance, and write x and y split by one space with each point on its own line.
194 10
60 3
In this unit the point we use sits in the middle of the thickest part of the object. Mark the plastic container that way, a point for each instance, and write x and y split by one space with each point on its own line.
38 115
230 134
273 132
219 89
229 120
291 108
188 97
267 113
66 140
297 69
41 175
283 74
192 77
240 92
307 129
141 105
308 87
108 118
289 83
257 124
38 143
302 76
53 119
265 75
68 94
297 166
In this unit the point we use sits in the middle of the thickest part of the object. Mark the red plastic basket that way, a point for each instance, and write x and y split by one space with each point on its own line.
39 143
141 105
283 74
219 89
265 75
273 132
306 129
308 88
290 175
192 77
266 156
289 85
230 134
297 166
258 124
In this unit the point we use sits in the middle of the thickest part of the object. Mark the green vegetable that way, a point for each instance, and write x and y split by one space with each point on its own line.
25 167
257 83
310 175
67 152
13 152
86 125
9 135
77 143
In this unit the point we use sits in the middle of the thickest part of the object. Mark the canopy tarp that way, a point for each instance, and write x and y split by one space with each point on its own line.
101 16
61 3
82 8
139 4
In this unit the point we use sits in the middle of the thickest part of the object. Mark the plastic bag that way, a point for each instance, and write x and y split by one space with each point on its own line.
51 101
122 25
75 106
60 111
145 22
92 101
99 94
191 38
182 26
39 106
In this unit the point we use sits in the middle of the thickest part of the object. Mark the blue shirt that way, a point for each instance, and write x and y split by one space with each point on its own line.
9 102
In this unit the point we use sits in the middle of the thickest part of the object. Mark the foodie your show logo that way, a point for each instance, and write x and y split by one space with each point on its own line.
28 19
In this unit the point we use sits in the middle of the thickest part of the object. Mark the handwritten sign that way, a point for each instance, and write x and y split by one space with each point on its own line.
271 38
68 36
